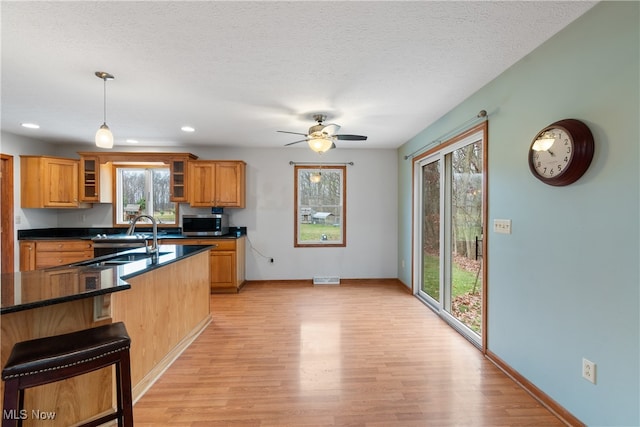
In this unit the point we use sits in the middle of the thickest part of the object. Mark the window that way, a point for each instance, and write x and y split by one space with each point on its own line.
320 195
144 190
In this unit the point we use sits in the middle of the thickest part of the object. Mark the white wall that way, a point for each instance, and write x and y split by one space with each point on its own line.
15 145
371 250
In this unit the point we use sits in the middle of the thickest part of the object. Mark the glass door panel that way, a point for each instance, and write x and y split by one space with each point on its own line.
464 301
449 215
431 230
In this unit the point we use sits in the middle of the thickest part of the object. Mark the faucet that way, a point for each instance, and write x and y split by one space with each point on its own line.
153 249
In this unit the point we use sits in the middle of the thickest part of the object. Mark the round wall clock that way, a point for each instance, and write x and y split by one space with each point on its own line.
561 153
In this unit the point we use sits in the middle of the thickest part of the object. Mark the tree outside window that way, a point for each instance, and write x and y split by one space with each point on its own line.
144 190
320 206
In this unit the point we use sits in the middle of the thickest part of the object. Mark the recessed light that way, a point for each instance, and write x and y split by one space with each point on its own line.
30 125
187 129
132 141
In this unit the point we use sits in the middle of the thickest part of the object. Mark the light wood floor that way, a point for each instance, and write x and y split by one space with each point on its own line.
283 354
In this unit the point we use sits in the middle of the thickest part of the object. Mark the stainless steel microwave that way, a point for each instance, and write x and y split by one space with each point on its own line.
205 225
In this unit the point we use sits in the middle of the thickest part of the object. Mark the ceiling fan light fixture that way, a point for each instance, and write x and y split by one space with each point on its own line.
104 137
320 144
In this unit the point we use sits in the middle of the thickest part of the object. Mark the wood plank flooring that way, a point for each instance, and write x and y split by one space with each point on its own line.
290 354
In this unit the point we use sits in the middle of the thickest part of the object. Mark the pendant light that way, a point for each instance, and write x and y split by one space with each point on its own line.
104 137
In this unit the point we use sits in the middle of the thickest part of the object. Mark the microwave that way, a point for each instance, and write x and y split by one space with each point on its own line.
205 225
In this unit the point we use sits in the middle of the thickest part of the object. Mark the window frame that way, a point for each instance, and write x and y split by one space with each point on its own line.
343 208
117 203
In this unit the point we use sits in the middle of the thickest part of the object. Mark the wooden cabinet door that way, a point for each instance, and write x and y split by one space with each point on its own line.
229 184
61 182
27 256
178 178
89 179
217 183
201 185
223 267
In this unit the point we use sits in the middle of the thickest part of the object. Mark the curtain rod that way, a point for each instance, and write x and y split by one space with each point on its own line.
481 116
319 163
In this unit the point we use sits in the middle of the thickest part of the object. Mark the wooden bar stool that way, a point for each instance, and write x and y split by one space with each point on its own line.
46 360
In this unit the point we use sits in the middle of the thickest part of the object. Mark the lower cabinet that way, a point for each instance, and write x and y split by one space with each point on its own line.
36 254
227 262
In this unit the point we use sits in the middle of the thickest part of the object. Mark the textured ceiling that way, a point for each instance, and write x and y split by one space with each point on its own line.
239 71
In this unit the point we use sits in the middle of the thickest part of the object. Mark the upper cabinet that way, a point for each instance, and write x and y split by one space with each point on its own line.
49 182
178 178
89 179
217 183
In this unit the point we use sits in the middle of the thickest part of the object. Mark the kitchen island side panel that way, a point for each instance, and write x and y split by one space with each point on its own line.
164 310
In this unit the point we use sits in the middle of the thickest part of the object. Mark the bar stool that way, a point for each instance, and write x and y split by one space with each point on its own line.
45 360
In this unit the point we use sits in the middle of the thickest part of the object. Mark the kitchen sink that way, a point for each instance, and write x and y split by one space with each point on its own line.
121 259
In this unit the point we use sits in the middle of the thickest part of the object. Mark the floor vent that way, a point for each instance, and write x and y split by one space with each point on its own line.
326 280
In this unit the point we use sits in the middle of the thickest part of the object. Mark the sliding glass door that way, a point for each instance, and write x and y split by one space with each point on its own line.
450 223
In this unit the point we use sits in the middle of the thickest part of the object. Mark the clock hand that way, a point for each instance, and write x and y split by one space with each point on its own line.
551 152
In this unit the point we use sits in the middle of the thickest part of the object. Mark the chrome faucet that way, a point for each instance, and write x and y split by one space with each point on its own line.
153 249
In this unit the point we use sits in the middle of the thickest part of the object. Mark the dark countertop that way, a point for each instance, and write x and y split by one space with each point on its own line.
31 289
90 233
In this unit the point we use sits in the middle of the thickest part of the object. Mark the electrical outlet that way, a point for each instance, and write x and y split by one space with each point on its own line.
502 226
589 370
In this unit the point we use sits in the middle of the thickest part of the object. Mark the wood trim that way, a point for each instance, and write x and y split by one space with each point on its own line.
105 157
544 399
350 282
8 238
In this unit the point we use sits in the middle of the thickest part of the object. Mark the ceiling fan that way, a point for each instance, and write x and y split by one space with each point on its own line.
321 137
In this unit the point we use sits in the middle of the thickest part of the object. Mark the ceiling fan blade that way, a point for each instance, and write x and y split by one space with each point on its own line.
351 137
294 133
295 142
331 129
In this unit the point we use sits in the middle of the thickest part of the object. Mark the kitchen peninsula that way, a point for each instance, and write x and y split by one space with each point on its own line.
163 301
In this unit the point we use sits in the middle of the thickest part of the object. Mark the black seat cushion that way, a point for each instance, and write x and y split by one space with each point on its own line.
55 352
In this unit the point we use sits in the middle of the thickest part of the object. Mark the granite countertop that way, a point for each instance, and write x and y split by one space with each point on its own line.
31 289
92 233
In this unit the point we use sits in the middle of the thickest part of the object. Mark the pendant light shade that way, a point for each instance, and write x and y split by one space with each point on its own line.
104 137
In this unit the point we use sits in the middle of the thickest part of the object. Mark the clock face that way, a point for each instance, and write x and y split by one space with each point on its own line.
553 161
561 153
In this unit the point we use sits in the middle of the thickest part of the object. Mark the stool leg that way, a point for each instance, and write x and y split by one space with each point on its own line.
125 381
10 408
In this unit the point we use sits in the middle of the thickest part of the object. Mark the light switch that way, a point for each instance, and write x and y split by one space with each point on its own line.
502 226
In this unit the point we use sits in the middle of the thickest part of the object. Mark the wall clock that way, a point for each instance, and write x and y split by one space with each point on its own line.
561 153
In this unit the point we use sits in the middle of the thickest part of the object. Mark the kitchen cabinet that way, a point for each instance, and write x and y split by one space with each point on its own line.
49 182
227 262
36 254
178 179
217 183
95 180
89 179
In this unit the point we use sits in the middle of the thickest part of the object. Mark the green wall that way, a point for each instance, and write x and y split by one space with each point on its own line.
565 284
